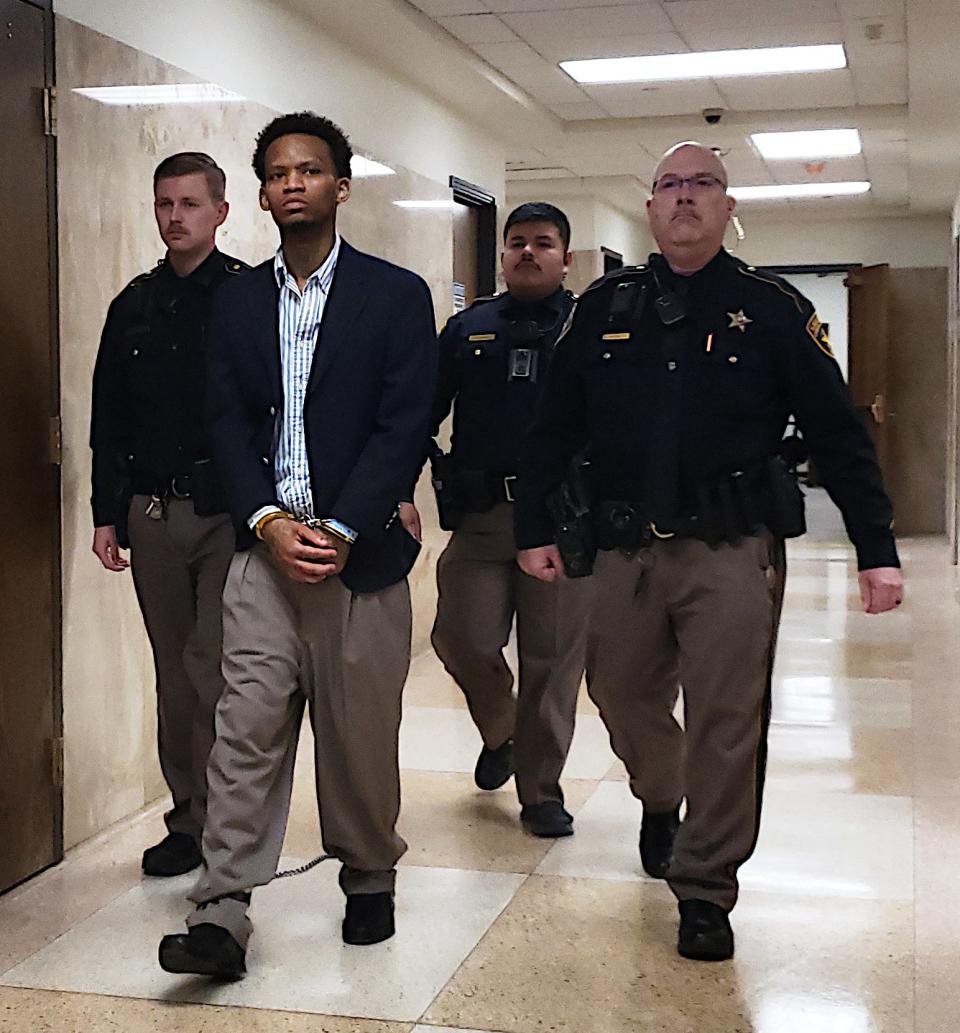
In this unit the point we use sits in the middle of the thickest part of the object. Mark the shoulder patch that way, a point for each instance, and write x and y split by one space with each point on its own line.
772 281
818 334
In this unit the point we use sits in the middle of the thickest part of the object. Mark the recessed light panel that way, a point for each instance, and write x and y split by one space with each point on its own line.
783 191
159 94
715 64
816 143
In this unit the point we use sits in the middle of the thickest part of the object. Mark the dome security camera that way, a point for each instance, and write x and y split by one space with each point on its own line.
712 115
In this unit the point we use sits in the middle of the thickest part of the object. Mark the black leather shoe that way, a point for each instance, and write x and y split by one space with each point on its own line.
657 833
548 820
175 854
206 950
369 918
705 933
494 767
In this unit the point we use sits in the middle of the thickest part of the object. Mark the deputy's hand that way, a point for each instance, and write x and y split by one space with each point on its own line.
543 563
881 589
303 554
106 550
410 519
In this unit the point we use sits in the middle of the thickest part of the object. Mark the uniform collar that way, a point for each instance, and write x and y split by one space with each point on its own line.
552 302
203 276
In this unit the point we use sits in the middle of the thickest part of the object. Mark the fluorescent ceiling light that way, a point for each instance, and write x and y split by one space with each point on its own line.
779 191
816 143
159 94
707 64
361 167
426 204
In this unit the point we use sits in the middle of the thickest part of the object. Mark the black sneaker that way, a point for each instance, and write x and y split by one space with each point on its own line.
494 767
368 918
657 833
548 820
705 933
206 950
176 854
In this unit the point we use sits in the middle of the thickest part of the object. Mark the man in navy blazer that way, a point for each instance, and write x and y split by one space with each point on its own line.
322 378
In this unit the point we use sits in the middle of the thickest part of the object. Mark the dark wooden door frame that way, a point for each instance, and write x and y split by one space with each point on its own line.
46 112
486 204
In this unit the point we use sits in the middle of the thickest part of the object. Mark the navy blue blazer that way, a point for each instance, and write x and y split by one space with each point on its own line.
366 412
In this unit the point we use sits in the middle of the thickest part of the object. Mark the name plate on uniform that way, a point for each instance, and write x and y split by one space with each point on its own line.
616 337
482 337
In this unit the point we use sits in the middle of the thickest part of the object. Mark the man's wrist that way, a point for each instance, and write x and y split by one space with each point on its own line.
269 518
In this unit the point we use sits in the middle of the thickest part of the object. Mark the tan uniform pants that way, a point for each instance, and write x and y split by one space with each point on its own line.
679 613
179 565
346 657
481 588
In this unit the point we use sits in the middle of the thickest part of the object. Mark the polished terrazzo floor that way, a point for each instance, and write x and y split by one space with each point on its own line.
848 921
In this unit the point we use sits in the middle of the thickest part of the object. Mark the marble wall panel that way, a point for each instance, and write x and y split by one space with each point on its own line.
107 235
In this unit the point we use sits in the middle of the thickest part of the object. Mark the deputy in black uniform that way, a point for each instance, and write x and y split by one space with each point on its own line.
493 361
155 489
679 378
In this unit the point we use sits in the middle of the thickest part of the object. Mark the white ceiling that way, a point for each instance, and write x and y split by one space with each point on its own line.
901 89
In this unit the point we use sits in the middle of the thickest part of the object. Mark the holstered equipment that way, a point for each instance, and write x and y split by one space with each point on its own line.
574 531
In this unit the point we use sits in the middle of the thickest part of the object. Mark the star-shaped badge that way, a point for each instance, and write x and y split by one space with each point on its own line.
739 321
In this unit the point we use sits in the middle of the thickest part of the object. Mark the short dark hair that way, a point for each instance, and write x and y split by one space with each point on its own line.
540 211
186 163
310 124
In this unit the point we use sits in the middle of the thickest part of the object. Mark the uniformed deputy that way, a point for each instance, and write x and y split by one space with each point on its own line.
680 377
493 361
155 489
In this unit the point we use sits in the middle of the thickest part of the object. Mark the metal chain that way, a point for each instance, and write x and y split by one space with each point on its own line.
304 867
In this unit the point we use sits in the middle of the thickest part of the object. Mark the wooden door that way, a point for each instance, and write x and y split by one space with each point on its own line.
30 745
869 344
466 238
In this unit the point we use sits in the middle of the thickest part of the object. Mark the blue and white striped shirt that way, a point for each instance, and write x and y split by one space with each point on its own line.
300 314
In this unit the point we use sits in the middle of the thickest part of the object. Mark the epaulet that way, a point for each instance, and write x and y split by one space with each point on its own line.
234 266
625 272
148 275
486 298
771 280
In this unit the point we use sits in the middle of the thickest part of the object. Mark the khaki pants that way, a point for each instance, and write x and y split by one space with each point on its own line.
679 613
481 588
179 565
346 657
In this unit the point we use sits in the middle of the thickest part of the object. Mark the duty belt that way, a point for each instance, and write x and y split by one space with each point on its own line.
179 486
479 490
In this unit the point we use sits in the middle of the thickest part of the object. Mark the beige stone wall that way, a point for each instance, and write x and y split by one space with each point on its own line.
107 235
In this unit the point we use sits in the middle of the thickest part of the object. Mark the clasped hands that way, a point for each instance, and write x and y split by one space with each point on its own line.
306 555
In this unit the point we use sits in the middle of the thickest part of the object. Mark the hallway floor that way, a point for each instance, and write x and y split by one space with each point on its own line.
848 919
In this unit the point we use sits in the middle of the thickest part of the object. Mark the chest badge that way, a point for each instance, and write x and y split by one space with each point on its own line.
739 321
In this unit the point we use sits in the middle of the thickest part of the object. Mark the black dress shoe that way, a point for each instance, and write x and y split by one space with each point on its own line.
657 833
206 950
494 767
548 820
705 933
175 854
368 919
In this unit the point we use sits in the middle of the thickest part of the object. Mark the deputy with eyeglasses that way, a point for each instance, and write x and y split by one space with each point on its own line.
678 379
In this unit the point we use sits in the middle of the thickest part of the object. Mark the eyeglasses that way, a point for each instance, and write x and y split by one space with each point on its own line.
697 184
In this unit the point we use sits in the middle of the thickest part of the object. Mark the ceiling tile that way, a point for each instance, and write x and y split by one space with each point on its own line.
881 85
850 9
578 110
508 56
878 55
713 14
640 100
864 34
835 170
547 83
478 28
633 19
442 8
765 35
544 172
789 92
588 46
556 6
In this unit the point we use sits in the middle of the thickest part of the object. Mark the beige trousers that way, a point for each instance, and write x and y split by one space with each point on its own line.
343 655
481 588
679 613
179 565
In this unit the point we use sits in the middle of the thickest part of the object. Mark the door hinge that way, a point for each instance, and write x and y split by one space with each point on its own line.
56 761
56 441
49 111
